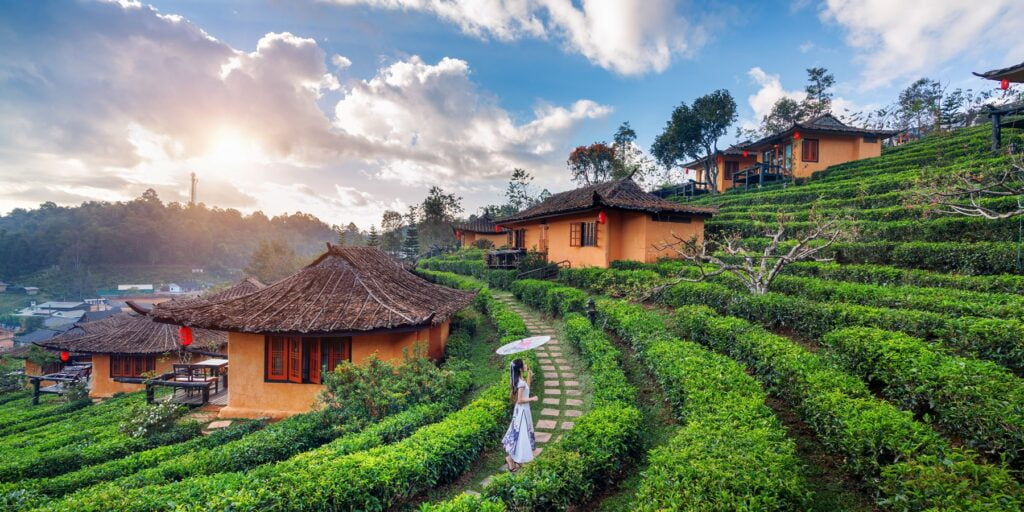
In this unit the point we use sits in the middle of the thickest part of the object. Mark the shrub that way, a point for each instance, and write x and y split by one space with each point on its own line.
149 420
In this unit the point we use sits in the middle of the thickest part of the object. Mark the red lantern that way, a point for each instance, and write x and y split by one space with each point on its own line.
1004 84
185 335
497 228
65 356
746 153
796 135
602 217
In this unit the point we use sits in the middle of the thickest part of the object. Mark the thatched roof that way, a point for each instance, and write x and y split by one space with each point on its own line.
130 333
1012 73
483 224
623 194
729 151
825 123
346 290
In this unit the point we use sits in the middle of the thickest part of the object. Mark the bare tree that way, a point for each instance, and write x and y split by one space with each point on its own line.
755 269
962 193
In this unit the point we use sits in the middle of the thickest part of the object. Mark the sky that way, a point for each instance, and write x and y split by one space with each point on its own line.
345 108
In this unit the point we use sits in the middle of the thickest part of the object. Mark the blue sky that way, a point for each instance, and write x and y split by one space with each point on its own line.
343 108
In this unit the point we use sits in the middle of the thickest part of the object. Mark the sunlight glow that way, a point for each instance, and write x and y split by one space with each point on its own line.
232 147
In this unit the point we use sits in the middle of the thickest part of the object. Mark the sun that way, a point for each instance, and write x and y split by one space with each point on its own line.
232 147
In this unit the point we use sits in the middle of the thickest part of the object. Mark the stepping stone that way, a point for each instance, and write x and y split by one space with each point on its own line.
573 413
564 367
573 402
566 425
569 375
219 424
547 367
542 437
487 481
552 401
552 391
556 354
573 392
561 361
551 383
549 412
572 383
544 361
551 375
471 493
537 451
545 424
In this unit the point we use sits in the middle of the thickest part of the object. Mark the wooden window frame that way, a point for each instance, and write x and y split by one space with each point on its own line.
804 150
729 169
519 241
130 365
304 359
575 234
588 234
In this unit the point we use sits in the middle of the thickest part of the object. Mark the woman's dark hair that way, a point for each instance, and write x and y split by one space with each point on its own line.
515 372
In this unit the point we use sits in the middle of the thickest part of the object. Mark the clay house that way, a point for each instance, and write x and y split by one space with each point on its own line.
129 345
595 225
729 162
806 148
480 228
349 303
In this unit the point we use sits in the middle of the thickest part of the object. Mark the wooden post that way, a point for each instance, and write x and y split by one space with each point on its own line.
35 391
150 398
592 312
760 178
996 131
206 395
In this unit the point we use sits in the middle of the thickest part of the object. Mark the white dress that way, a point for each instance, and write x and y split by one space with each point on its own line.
519 440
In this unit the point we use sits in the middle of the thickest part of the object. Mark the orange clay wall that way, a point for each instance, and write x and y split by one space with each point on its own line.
498 239
657 234
833 150
249 396
103 386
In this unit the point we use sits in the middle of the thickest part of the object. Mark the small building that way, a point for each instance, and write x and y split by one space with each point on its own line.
174 288
729 162
595 225
481 228
31 290
348 304
144 288
128 345
3 287
807 147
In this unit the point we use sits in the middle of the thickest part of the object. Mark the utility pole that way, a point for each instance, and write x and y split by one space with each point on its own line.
192 190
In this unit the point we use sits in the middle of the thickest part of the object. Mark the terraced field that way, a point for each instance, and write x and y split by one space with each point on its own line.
889 379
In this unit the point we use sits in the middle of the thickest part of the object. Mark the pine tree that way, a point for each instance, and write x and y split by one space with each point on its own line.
342 239
374 239
411 242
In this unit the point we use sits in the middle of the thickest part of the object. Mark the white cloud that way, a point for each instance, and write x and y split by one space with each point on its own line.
629 37
806 46
770 91
908 38
103 100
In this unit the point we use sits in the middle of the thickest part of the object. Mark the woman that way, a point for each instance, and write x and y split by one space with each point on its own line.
519 440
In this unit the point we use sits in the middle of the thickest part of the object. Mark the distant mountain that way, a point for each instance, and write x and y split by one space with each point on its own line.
146 232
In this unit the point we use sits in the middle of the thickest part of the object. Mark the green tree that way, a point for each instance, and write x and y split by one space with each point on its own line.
373 239
439 211
629 158
391 224
411 240
819 93
784 113
352 233
693 132
272 260
340 237
591 164
919 104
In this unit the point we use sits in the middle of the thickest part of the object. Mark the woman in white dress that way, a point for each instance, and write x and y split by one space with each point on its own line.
519 440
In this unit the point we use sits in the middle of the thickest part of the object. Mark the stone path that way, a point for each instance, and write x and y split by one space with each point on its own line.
556 382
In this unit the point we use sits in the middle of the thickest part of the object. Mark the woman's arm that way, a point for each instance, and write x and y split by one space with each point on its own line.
523 398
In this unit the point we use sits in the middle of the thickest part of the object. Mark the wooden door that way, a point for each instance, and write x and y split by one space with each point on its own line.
295 359
313 358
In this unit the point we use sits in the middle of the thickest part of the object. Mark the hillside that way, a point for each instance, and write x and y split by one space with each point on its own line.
98 244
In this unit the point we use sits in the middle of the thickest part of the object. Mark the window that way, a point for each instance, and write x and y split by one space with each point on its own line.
583 234
304 360
519 241
809 151
671 217
871 139
730 169
131 366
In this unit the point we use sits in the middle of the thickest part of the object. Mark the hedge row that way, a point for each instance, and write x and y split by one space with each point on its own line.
29 493
997 340
265 487
943 229
938 300
69 429
887 275
37 416
972 400
731 453
883 444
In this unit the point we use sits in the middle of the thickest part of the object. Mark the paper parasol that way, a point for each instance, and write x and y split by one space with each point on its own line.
523 345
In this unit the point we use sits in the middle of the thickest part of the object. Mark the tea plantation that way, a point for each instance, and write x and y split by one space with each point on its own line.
888 379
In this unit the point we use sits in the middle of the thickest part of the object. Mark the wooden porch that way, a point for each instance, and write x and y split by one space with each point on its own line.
759 174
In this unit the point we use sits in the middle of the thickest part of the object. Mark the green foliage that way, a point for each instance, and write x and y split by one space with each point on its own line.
149 420
976 401
870 433
376 388
272 260
9 380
